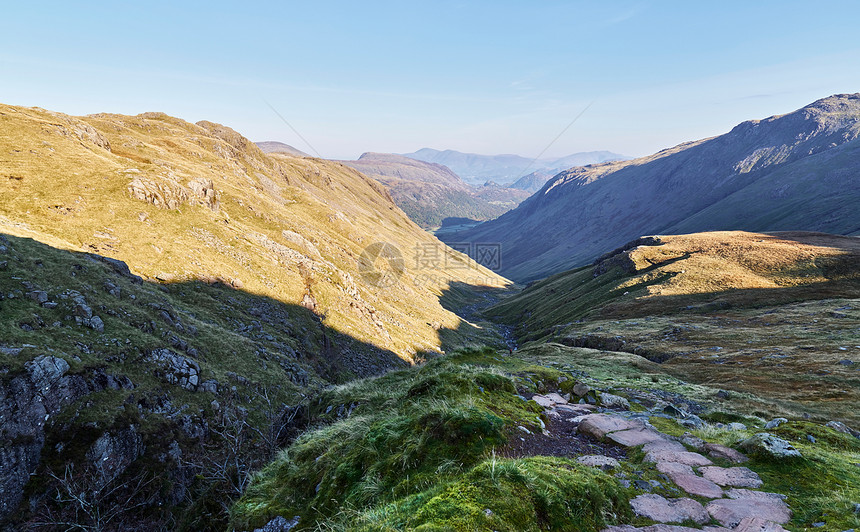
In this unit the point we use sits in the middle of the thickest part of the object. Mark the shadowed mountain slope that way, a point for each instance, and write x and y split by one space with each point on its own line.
797 171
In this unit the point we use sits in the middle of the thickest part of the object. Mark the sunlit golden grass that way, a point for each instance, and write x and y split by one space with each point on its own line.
69 179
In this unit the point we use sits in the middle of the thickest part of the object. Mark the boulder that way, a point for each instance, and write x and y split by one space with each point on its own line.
581 389
178 369
617 402
598 425
767 445
773 423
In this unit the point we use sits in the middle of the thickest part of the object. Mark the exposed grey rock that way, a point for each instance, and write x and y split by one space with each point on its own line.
681 457
39 296
598 461
768 445
843 428
614 401
279 524
45 370
94 323
27 400
179 370
736 426
83 310
698 486
598 425
773 423
580 389
204 191
114 451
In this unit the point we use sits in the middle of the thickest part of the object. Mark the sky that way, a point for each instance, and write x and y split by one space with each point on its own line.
336 79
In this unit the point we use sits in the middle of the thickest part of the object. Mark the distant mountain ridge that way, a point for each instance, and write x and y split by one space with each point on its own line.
799 171
429 193
271 146
477 169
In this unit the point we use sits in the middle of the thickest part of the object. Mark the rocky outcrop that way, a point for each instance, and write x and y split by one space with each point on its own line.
162 194
203 191
27 402
767 445
177 369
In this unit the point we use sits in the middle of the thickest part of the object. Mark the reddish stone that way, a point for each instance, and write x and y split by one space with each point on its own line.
682 457
674 468
739 477
726 453
749 504
695 485
668 510
664 445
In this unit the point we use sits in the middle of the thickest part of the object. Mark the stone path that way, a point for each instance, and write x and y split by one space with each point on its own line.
733 501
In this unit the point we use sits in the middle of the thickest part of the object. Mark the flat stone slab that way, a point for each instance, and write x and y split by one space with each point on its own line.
739 477
635 437
749 504
543 400
598 425
716 450
757 524
663 445
666 510
696 485
556 398
682 457
663 528
674 468
598 460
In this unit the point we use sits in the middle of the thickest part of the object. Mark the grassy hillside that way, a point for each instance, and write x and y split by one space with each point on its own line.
792 172
179 201
774 314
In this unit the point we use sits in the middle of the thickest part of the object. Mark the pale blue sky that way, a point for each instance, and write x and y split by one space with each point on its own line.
487 77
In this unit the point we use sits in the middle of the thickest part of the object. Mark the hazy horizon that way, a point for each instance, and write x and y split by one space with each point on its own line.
476 77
